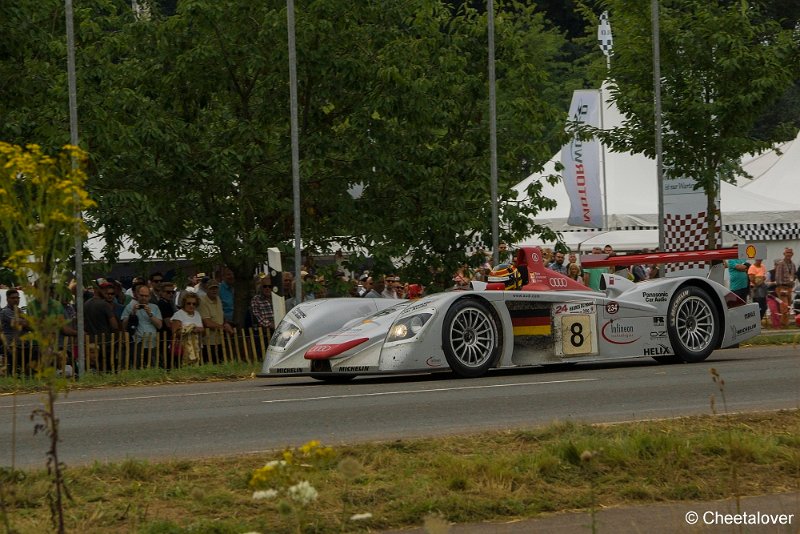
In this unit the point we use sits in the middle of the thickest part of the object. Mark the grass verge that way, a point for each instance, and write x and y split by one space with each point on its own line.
487 476
141 377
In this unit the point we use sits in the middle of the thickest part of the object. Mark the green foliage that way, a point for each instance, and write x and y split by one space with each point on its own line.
722 65
188 122
41 197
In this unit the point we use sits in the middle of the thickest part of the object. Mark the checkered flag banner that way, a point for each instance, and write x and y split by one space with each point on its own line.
604 35
687 232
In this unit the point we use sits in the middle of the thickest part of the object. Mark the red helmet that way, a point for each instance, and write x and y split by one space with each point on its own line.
414 291
506 274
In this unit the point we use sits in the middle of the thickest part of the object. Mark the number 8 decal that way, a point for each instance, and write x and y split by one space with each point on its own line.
576 334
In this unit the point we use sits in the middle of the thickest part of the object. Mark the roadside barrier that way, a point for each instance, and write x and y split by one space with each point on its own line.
112 353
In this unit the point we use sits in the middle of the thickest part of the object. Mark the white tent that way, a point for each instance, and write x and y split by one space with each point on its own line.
632 198
774 174
756 165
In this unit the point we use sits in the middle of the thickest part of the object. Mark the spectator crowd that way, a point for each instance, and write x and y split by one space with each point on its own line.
193 321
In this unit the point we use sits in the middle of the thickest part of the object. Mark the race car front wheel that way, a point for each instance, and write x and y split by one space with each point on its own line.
693 324
470 338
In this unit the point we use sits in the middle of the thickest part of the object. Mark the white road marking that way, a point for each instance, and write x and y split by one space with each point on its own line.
62 402
434 390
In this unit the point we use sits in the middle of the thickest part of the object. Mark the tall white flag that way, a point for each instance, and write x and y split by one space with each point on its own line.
604 37
581 160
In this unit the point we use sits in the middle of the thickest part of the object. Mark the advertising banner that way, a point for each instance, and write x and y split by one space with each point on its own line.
581 160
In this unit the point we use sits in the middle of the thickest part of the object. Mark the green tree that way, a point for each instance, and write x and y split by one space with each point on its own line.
186 118
194 151
33 94
722 65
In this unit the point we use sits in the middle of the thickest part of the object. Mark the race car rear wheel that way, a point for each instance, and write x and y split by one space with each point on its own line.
693 324
470 338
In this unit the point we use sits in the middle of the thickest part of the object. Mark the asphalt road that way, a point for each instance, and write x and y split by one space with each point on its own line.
248 416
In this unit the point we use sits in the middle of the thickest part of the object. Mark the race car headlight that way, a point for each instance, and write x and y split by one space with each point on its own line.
286 331
408 327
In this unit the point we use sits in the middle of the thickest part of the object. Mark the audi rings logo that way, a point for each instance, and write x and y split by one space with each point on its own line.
558 282
535 257
319 348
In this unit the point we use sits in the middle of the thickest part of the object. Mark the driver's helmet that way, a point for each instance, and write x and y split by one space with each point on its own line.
506 274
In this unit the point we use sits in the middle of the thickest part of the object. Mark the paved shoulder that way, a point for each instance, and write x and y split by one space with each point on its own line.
765 513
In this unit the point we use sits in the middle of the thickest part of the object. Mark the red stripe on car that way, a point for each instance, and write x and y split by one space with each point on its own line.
323 351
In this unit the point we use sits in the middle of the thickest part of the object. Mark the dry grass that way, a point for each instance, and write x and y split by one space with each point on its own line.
510 474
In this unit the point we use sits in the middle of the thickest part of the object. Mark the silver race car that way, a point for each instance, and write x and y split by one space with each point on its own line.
526 315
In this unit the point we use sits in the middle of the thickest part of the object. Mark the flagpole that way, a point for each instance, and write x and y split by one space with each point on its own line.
295 148
606 43
73 139
658 133
493 136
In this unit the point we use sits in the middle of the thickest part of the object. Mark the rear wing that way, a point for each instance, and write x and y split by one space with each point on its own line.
716 273
604 260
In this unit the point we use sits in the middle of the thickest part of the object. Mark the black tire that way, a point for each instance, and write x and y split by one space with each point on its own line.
693 324
470 338
332 378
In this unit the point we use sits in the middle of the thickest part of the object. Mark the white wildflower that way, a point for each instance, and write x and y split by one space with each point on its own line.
360 517
265 494
303 492
276 463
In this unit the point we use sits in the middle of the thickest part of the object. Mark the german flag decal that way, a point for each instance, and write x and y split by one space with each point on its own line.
531 322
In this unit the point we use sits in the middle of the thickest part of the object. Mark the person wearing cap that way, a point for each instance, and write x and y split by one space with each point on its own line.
202 280
785 275
191 282
360 290
100 321
214 323
15 325
120 298
757 273
364 284
137 280
261 304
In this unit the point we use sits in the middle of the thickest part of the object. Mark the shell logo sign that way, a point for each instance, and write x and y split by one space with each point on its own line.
752 252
